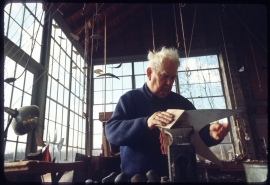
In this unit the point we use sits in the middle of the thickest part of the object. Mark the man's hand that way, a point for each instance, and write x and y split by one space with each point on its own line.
219 131
159 119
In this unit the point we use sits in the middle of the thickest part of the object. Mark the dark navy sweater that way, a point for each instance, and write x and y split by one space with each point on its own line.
140 147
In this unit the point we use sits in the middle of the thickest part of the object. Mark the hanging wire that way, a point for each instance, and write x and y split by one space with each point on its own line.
21 46
9 80
227 58
182 24
252 23
247 28
260 87
176 32
46 70
192 30
154 49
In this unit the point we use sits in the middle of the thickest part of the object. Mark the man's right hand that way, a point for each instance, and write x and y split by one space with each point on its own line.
159 119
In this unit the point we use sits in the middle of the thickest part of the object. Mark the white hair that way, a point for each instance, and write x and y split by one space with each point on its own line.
155 59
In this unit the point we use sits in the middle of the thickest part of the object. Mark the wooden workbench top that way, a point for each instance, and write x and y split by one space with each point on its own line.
42 167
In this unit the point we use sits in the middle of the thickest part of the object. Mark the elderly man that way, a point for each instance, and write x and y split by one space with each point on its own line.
139 112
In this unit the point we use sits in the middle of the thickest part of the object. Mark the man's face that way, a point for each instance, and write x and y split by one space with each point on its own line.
160 81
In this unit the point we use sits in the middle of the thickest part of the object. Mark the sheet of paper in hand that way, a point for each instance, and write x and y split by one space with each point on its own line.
177 113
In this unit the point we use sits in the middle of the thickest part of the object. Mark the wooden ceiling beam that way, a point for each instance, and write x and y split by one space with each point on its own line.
105 10
131 18
116 19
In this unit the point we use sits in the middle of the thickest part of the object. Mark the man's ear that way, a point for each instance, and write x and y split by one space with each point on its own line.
149 73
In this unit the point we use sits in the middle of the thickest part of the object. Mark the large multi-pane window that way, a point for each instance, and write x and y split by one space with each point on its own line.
66 91
115 87
199 81
20 27
64 104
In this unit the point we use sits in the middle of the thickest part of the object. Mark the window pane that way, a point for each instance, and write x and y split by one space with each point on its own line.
10 151
140 80
97 128
97 141
21 151
26 100
20 81
140 67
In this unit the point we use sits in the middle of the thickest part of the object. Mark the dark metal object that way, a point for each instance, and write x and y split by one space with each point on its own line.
26 119
109 178
152 176
138 178
181 155
122 177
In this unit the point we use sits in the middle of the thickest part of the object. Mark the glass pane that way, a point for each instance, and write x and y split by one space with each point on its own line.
6 17
97 127
23 138
96 110
16 98
70 137
98 97
75 137
126 68
65 115
36 52
140 80
10 151
55 70
67 76
21 151
80 140
52 113
54 89
66 97
109 96
60 94
51 130
140 67
98 84
97 141
7 95
29 79
127 82
116 95
63 153
59 114
39 13
26 100
96 152
20 81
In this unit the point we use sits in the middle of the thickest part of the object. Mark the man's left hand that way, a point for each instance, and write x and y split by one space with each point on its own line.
219 131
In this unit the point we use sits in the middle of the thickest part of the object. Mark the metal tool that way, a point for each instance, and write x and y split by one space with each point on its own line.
186 142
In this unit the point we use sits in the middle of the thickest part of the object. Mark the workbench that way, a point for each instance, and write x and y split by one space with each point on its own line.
31 171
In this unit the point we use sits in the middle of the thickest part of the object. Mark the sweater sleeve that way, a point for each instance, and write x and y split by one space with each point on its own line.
121 129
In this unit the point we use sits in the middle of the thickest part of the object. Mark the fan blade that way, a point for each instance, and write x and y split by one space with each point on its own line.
56 26
76 37
109 74
98 71
76 52
117 66
61 37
